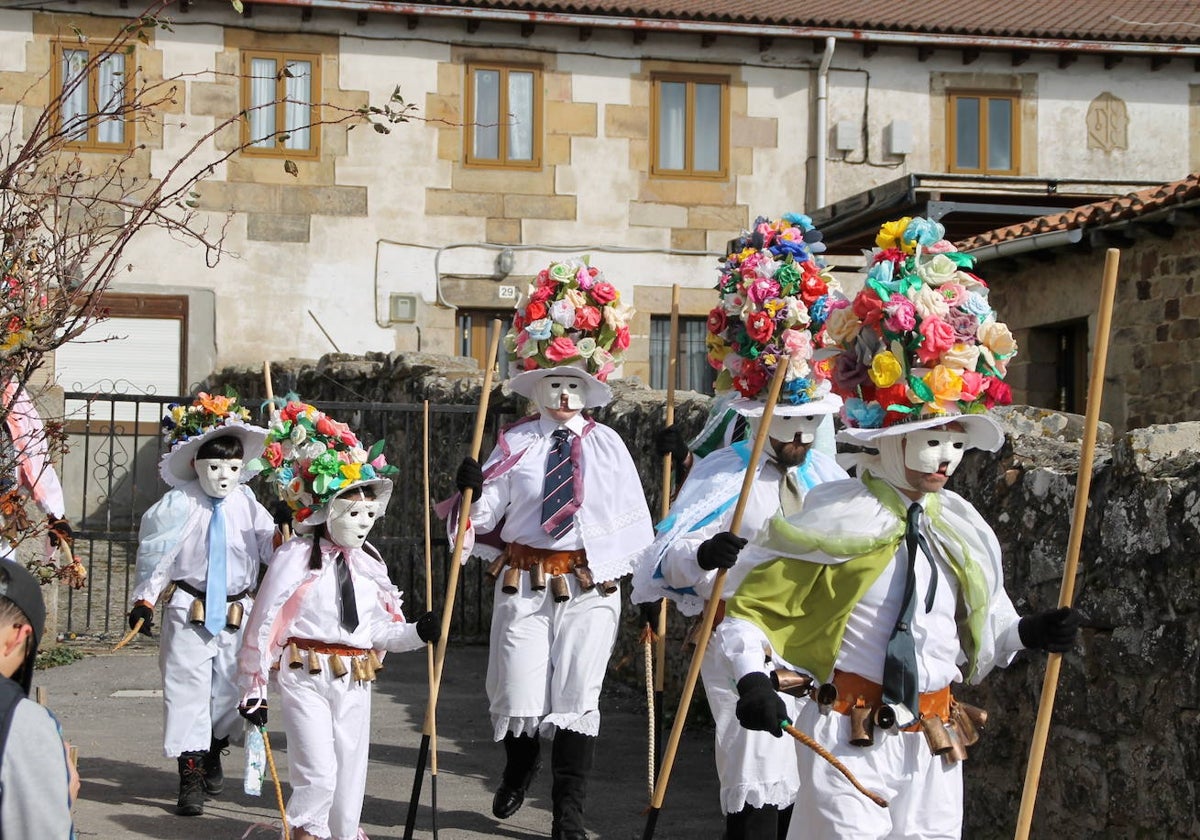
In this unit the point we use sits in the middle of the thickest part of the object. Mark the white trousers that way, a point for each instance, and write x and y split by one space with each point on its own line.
924 793
754 768
328 726
547 661
199 671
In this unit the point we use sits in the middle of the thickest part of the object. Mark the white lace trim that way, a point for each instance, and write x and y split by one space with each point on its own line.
780 794
587 723
503 725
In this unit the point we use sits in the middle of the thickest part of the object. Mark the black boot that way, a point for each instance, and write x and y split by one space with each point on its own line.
570 763
753 823
520 766
191 785
214 776
785 821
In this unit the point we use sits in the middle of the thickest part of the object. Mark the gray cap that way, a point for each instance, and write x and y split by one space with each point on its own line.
20 587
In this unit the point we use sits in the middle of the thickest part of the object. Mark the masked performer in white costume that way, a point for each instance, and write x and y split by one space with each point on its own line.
200 549
569 505
324 616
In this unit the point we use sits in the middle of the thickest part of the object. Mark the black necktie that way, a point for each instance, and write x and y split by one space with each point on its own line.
558 489
347 606
900 661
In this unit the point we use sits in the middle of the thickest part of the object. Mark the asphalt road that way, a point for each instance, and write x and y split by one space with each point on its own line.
111 711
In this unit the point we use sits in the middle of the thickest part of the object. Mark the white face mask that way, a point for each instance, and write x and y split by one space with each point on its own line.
218 476
925 451
350 520
560 392
784 429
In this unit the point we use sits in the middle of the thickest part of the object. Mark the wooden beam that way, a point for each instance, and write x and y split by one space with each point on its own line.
970 55
472 26
585 33
1157 62
360 19
639 36
924 53
527 29
869 49
1065 60
305 13
413 22
765 43
1019 57
1111 60
707 40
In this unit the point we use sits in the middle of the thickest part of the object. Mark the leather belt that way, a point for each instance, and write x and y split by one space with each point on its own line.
198 593
850 687
553 562
324 647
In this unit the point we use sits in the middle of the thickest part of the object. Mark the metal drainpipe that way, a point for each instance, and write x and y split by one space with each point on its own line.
822 122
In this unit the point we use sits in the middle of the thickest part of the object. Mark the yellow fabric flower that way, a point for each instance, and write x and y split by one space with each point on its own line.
717 348
352 472
890 233
946 384
215 404
886 369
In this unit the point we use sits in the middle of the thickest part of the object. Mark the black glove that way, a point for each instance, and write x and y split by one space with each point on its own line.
141 611
256 712
281 513
670 442
759 706
1051 630
649 614
60 530
469 477
719 551
429 627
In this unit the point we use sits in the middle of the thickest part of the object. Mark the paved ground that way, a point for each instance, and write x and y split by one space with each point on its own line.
108 713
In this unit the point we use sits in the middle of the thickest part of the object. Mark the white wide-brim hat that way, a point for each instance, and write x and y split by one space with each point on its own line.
982 431
383 493
176 467
595 392
829 403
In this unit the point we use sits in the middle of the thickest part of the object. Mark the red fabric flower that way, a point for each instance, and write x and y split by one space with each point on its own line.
751 379
717 319
812 284
604 293
541 294
894 255
536 310
760 327
937 338
587 318
622 340
998 393
893 395
531 363
868 307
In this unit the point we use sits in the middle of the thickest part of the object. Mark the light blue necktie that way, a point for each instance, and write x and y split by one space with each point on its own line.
215 588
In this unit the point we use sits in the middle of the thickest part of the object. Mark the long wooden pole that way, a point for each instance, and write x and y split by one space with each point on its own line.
660 629
710 609
1066 593
464 521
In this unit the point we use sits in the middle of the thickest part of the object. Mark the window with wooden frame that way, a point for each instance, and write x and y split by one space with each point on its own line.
692 370
504 116
473 335
94 95
690 131
984 132
279 90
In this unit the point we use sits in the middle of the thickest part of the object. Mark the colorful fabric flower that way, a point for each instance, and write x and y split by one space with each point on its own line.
921 337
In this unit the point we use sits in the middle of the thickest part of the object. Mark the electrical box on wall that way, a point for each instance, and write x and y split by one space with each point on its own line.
845 136
899 137
402 309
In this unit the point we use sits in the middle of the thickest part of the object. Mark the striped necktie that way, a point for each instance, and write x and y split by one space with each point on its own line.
558 489
216 587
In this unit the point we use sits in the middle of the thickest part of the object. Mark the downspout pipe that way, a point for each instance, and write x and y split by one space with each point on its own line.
822 151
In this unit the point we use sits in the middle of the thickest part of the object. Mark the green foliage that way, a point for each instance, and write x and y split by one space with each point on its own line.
58 655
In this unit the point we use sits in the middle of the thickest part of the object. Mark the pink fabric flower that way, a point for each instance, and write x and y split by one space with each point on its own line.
972 385
761 289
899 314
938 338
621 342
562 348
797 343
604 292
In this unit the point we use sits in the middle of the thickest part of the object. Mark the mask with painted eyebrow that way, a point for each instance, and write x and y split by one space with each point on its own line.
925 451
560 392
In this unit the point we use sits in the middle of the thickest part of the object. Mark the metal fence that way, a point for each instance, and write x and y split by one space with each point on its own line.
110 476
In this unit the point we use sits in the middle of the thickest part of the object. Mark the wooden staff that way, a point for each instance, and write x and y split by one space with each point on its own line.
464 520
660 629
275 779
429 733
710 608
1066 593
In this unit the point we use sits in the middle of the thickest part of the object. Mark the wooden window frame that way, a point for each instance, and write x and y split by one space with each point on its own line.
58 47
277 149
502 161
659 363
691 81
984 96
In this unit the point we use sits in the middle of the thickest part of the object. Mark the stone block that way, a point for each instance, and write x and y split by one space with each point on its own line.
1145 449
213 100
646 214
688 192
754 132
277 227
1185 329
626 121
443 108
577 119
539 207
503 231
326 201
478 179
556 150
687 239
741 161
227 196
731 218
449 143
451 203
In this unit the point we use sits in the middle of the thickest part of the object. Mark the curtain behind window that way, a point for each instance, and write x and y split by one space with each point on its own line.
262 102
299 105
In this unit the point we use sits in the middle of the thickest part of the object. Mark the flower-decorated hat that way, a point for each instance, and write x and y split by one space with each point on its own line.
569 322
311 459
187 427
775 299
920 343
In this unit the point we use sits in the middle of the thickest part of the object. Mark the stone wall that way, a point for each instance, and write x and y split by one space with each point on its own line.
1124 746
